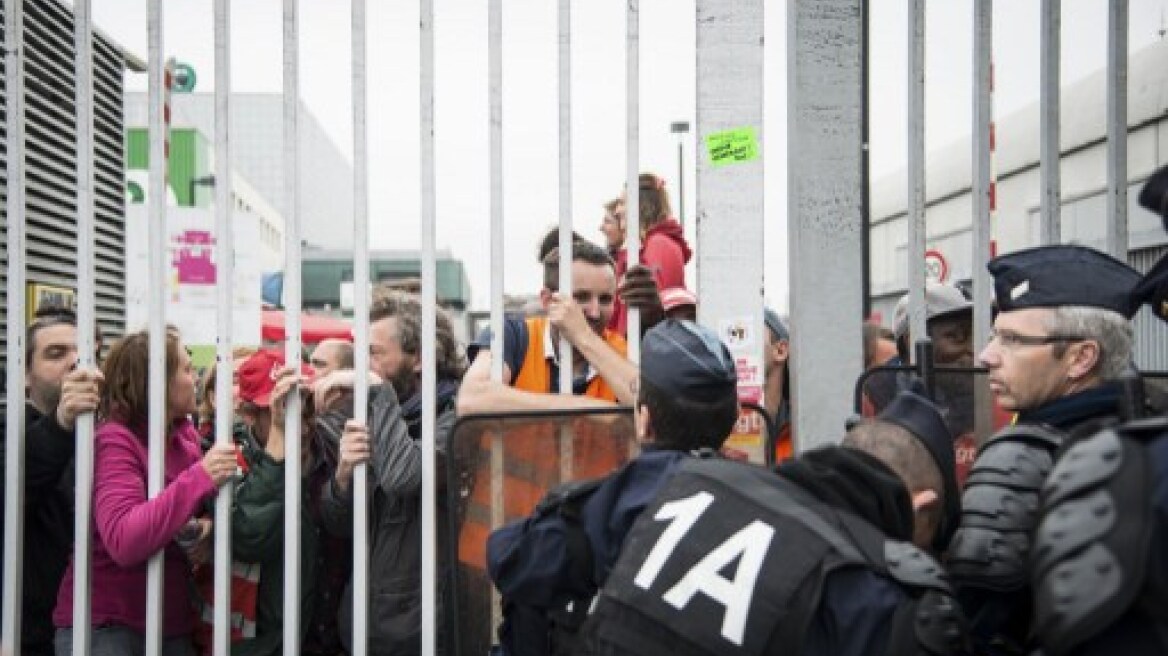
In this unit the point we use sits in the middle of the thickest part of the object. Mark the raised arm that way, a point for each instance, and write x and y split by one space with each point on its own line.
480 394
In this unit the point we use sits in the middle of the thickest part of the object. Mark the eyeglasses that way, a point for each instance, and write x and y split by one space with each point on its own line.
1011 340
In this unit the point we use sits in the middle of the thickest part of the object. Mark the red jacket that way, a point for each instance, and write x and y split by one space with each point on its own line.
665 251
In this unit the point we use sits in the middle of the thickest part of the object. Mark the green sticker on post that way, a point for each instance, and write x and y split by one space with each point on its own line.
732 146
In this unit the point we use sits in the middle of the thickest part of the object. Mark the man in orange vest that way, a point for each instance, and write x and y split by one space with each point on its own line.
602 376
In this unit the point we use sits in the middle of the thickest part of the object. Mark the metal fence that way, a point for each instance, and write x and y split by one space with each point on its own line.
825 101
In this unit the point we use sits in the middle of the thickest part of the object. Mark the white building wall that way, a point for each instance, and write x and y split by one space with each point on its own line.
257 144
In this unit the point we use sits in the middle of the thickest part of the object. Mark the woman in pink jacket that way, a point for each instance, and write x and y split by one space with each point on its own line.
129 527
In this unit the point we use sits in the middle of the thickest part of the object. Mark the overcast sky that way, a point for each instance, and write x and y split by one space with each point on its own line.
530 100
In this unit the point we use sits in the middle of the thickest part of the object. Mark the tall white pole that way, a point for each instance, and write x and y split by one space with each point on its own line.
633 160
292 283
86 318
156 199
360 328
225 288
14 438
429 327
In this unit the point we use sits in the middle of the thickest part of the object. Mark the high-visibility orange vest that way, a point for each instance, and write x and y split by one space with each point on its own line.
535 374
529 474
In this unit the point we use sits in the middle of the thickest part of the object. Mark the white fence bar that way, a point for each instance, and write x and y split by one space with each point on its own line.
916 171
15 215
565 91
983 11
1117 37
291 299
429 328
156 197
225 290
1050 46
360 639
495 161
823 164
86 311
633 162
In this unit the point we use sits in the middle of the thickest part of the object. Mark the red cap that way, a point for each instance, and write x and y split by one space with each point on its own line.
676 297
257 376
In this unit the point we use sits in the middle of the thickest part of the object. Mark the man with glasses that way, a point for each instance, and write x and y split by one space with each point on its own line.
1061 338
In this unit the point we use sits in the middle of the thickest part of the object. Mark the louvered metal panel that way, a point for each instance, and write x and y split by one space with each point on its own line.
51 165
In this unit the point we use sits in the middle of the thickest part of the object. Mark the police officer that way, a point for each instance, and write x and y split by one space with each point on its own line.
548 567
817 560
1061 338
1100 576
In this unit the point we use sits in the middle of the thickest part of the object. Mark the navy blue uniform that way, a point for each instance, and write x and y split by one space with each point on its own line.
531 564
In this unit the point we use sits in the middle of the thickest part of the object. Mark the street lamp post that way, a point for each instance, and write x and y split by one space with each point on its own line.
680 128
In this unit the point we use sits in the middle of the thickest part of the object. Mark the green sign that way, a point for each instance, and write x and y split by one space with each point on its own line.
732 146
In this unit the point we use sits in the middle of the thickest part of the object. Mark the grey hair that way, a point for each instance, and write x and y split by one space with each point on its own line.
1110 329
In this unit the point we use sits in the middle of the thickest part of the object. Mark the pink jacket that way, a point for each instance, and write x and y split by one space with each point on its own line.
129 528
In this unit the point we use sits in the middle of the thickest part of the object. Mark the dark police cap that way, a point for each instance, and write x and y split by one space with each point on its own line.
924 420
1154 195
1153 290
1153 287
685 359
1054 276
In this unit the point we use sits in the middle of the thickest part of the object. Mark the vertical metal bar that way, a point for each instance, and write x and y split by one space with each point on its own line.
495 99
292 284
983 12
429 326
823 162
225 289
730 197
156 198
916 169
495 128
1117 37
681 179
565 89
360 326
633 160
1050 45
86 311
15 215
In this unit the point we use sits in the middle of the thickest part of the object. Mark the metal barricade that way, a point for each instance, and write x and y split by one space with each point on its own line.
478 500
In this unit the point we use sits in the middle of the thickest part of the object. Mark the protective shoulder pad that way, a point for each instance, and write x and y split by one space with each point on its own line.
1017 455
1093 537
912 567
566 497
999 508
931 625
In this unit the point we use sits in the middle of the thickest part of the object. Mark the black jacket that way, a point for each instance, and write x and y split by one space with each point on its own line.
48 522
395 520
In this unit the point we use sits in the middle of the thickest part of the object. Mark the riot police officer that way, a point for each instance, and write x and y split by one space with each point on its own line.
548 566
815 558
1061 338
1099 574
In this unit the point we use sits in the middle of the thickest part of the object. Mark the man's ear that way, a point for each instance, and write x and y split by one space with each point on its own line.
1084 358
781 351
545 297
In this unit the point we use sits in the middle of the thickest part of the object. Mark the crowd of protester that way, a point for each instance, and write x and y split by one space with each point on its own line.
913 535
